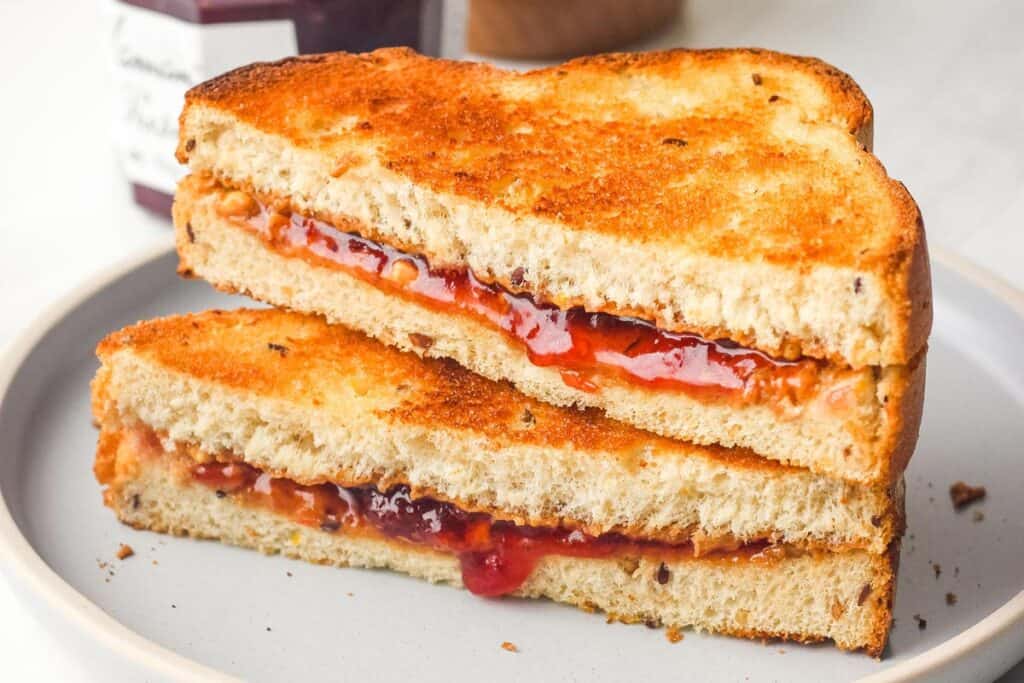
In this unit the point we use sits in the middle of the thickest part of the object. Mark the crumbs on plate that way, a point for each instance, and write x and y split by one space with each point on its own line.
963 494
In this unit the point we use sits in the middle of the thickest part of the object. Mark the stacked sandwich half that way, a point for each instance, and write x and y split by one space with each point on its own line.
642 333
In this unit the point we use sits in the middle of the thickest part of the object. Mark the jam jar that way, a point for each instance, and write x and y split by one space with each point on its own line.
161 48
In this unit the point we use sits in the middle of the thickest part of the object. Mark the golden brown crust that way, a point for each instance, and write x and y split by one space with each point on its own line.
242 349
453 126
842 102
904 406
915 284
848 105
401 100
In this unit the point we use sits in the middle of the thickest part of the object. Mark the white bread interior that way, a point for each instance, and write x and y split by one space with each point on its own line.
844 596
860 426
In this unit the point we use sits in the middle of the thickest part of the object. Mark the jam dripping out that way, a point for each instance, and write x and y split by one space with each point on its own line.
496 556
580 344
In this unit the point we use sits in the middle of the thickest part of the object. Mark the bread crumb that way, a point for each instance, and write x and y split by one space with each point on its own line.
124 552
922 624
673 634
509 647
950 598
963 494
978 516
937 568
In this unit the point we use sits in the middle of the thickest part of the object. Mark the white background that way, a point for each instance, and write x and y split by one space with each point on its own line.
946 79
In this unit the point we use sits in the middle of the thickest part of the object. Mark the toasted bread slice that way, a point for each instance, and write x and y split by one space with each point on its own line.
801 596
858 425
314 402
727 193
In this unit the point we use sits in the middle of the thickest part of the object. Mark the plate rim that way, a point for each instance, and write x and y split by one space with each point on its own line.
20 561
24 567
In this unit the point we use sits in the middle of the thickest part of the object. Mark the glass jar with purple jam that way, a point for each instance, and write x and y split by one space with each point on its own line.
161 48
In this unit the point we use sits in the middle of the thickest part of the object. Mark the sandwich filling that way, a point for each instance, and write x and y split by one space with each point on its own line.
496 556
582 345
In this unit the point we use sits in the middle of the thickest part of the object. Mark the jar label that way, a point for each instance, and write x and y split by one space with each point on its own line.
155 59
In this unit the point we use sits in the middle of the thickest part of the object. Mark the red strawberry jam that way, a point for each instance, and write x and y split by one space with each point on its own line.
496 556
580 344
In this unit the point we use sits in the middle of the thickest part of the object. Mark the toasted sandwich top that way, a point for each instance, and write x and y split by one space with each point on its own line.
748 156
655 147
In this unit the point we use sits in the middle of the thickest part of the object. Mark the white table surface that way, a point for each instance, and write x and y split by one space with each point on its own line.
945 78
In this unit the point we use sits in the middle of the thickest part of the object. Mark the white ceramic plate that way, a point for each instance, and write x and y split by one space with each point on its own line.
182 609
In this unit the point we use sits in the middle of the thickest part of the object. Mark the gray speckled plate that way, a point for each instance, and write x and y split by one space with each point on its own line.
182 609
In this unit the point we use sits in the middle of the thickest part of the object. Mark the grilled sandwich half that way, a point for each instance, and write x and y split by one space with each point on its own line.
699 243
278 431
